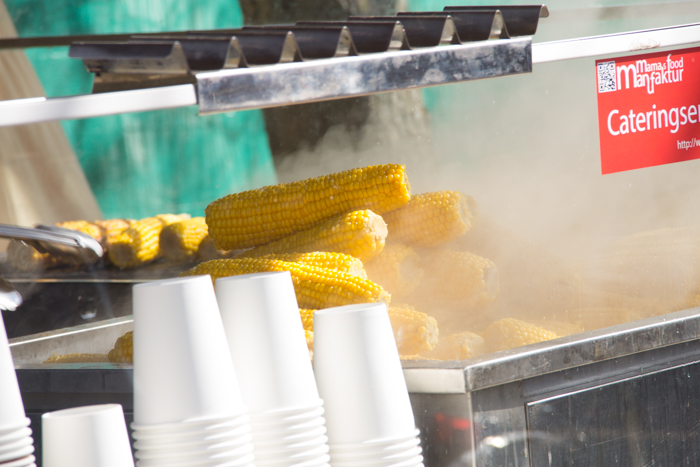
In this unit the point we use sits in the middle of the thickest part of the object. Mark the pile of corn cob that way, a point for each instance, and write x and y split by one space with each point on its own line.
129 243
359 236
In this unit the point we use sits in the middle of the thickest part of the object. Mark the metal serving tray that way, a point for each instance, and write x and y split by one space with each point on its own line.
623 395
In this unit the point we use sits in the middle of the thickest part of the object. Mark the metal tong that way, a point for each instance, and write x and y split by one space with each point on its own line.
73 246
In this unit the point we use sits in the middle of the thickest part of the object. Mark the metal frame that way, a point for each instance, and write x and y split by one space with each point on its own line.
36 110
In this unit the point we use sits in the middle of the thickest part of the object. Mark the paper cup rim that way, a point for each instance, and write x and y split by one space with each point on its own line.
236 450
398 456
412 462
172 281
252 276
23 451
388 440
77 412
148 445
7 428
20 433
16 445
243 461
288 410
192 423
350 309
25 461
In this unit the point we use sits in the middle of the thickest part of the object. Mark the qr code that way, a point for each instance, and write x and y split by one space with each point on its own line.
606 77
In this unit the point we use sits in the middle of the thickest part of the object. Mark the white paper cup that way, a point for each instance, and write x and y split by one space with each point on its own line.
225 450
378 458
17 453
286 418
27 461
246 461
192 443
266 339
11 407
277 438
413 462
91 436
15 435
182 365
16 445
211 425
359 375
12 429
379 444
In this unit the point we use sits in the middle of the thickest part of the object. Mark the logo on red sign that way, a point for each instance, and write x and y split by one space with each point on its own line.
649 109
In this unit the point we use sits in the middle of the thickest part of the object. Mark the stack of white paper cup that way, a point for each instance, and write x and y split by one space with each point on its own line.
358 371
16 443
188 409
266 338
92 436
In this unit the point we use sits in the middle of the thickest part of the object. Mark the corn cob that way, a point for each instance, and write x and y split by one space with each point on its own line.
140 243
560 328
460 346
113 227
261 216
309 334
415 332
597 318
315 287
509 333
307 318
359 233
123 351
180 241
396 269
90 228
329 260
430 219
459 279
78 358
660 265
531 277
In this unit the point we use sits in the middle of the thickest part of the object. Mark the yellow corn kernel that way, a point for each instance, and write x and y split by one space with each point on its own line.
323 259
315 287
180 241
397 269
459 346
78 358
307 318
359 233
140 243
560 328
598 318
415 332
123 351
261 216
113 227
90 228
509 333
309 334
430 219
455 278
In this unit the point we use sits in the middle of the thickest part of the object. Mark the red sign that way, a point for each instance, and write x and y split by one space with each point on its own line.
649 109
